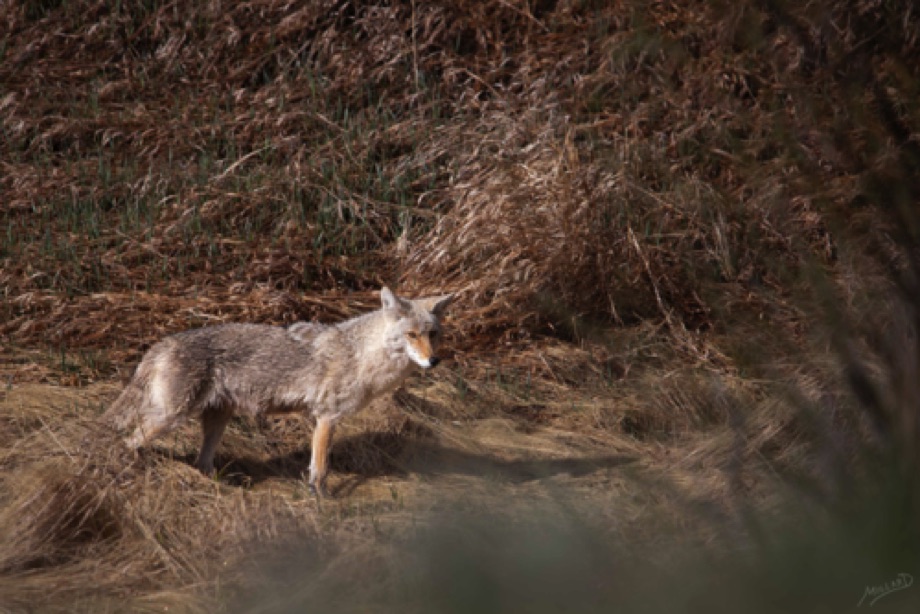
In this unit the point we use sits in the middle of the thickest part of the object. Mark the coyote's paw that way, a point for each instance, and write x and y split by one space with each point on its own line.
319 491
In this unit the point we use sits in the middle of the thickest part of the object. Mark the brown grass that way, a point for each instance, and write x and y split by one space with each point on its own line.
322 149
681 234
150 532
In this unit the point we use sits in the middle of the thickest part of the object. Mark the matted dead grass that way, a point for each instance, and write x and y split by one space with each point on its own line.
88 525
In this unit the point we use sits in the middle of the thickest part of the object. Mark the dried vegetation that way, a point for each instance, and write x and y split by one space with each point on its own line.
659 217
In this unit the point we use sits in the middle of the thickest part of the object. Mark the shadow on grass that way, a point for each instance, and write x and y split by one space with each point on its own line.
414 450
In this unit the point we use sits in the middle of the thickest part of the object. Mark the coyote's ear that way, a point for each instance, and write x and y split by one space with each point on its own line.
438 304
390 301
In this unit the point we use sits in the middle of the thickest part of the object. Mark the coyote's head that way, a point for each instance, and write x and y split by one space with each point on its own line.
416 325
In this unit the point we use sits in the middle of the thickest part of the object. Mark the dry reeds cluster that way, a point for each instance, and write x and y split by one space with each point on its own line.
615 161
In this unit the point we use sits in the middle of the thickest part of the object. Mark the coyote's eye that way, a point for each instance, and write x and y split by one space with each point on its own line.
412 334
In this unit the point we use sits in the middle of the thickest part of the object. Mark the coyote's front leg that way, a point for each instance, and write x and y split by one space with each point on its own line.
319 456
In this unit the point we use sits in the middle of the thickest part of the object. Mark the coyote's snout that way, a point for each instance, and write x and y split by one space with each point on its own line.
329 371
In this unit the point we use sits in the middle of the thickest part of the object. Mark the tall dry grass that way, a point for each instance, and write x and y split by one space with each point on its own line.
613 161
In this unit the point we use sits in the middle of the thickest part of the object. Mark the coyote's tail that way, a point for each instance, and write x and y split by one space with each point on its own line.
125 408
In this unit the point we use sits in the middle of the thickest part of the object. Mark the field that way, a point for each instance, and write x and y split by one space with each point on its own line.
682 365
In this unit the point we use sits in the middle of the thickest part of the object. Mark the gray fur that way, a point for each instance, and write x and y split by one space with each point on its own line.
329 371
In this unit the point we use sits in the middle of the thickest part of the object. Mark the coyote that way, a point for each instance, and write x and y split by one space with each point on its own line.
329 371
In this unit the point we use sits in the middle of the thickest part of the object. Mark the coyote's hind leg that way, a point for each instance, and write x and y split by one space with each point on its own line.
213 423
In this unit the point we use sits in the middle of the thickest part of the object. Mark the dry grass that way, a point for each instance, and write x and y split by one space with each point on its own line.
623 170
150 532
684 240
